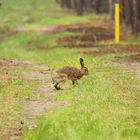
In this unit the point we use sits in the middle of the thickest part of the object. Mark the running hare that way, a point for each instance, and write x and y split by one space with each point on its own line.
69 73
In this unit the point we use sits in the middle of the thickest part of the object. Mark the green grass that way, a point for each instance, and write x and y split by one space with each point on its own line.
23 46
103 106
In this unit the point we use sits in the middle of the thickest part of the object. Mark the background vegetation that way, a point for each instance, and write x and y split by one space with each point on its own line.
130 9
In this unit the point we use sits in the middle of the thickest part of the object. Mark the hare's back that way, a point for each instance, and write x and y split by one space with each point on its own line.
71 72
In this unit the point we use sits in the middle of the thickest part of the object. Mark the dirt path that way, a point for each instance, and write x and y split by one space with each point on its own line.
40 73
8 32
47 29
33 108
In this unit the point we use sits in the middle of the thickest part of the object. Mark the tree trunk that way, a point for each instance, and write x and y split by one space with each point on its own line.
98 6
79 7
88 5
128 11
135 17
68 4
111 8
62 3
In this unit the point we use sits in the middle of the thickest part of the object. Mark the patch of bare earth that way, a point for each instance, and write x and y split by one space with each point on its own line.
33 108
6 32
132 63
112 50
43 29
88 35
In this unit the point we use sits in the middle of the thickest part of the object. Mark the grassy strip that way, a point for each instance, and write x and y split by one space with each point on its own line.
12 89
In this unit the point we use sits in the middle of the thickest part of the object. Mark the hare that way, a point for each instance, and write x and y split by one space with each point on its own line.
69 73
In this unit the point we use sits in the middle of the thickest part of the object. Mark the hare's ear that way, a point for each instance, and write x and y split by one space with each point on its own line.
82 62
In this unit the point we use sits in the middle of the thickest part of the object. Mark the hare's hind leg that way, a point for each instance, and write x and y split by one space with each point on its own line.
61 83
56 86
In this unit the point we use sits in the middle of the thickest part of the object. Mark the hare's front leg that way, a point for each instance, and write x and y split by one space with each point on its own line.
75 82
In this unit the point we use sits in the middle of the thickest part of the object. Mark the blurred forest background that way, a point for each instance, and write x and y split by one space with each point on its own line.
130 9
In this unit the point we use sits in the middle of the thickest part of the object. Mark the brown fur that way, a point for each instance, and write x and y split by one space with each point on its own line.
68 73
71 72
